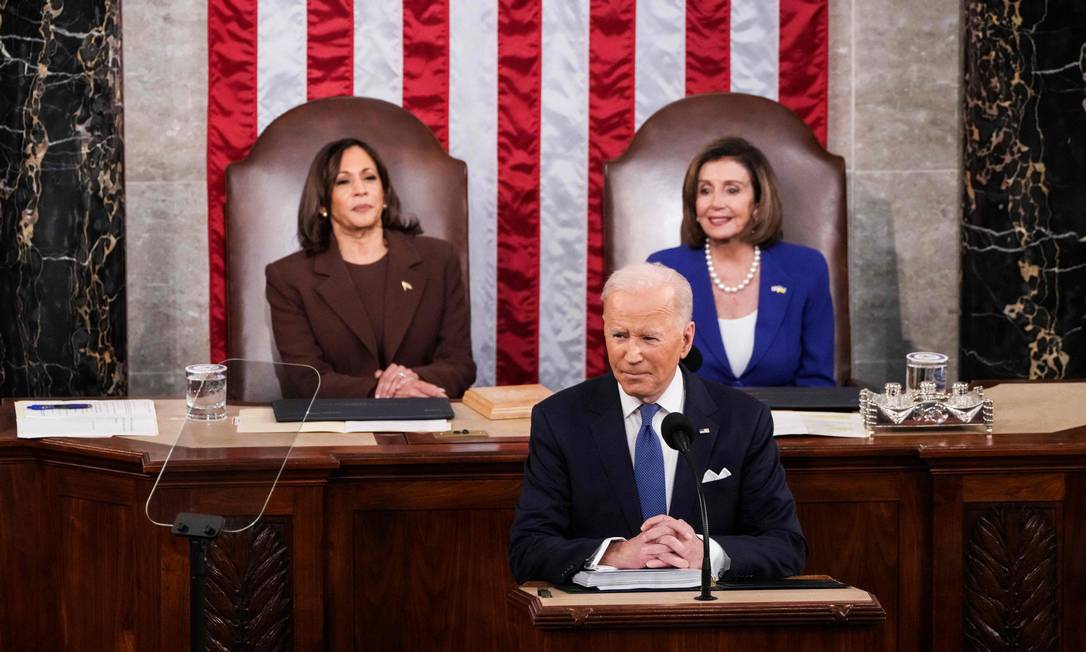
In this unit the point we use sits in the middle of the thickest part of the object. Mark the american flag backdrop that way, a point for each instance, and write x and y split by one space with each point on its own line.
534 96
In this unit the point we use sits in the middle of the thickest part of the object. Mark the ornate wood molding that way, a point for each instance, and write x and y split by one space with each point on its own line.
1011 580
249 589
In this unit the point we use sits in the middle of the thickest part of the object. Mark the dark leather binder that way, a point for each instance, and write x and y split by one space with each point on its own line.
363 409
821 399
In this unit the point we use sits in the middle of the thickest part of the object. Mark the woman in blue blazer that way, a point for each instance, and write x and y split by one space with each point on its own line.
762 307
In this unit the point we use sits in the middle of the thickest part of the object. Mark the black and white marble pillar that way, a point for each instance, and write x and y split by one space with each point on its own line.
1024 202
62 269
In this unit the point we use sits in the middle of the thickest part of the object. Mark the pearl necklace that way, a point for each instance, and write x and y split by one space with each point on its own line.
730 289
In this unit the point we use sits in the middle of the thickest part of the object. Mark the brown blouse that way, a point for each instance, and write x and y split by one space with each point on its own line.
370 280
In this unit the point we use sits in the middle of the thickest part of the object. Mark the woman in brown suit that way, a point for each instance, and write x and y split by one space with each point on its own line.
378 309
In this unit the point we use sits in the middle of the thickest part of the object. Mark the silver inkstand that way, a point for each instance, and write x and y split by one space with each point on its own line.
926 404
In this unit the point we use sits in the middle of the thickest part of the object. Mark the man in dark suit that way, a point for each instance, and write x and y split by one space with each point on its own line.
601 487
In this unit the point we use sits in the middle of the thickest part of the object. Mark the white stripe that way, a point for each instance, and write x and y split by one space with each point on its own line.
473 138
563 193
280 58
755 39
659 56
378 50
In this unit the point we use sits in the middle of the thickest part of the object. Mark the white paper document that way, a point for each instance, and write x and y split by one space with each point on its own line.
826 424
606 577
49 418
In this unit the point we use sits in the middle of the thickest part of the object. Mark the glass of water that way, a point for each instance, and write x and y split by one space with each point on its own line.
205 393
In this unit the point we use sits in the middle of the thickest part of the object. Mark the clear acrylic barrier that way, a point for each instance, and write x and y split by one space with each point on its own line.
212 468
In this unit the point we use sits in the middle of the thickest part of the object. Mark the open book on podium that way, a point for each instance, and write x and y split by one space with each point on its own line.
606 578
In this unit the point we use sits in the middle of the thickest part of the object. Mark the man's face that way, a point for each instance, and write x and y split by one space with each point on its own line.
645 340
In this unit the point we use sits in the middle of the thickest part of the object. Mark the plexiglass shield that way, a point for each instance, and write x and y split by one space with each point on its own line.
226 454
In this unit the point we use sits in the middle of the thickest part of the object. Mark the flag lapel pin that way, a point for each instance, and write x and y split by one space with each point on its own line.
779 289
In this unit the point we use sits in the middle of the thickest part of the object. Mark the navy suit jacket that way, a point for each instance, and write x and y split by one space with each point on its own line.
793 336
579 486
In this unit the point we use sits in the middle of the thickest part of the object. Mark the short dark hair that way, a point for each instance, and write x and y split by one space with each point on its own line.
314 229
762 229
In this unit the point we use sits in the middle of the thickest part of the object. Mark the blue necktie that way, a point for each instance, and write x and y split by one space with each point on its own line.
649 466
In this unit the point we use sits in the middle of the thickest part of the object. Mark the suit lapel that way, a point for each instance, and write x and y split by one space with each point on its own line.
701 410
341 295
609 434
775 290
403 292
708 328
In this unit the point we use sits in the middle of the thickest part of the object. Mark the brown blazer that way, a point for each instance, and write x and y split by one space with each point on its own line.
318 319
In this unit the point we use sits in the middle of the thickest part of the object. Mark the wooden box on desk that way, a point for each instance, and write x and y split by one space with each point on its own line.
547 618
506 402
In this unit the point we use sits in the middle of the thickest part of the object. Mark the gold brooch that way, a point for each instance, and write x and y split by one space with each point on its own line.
779 289
406 286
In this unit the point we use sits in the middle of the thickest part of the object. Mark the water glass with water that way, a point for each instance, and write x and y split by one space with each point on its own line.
205 394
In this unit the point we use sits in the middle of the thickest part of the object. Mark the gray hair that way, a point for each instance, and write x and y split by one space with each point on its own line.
649 276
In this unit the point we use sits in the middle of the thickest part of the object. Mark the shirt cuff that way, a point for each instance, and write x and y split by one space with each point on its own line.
593 562
719 561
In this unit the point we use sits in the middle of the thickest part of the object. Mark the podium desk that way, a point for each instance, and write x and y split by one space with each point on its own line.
548 618
399 542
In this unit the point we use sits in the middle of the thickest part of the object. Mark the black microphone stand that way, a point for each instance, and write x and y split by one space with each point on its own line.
678 433
706 562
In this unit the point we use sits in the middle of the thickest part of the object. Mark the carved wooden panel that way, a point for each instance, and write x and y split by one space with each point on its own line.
1011 581
248 601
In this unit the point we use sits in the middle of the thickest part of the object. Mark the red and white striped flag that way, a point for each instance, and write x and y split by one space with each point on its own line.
534 96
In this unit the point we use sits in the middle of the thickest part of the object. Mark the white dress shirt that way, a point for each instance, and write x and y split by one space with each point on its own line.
672 400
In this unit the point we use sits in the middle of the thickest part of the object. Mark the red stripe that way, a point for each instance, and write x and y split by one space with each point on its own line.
231 130
329 48
611 47
426 64
520 42
804 61
708 46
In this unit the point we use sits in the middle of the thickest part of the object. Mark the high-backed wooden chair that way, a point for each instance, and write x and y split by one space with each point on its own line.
263 191
642 203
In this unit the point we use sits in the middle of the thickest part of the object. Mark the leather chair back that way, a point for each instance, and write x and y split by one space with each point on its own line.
642 203
263 191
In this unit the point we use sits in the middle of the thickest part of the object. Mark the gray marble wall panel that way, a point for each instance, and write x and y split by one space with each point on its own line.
1024 200
62 208
894 79
165 76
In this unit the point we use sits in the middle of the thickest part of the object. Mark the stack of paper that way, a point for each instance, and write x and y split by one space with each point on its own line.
35 419
825 424
614 579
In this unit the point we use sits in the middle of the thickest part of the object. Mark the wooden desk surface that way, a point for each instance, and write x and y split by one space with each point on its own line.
1030 420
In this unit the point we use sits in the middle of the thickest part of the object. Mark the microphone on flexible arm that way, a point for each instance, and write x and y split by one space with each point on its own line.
679 433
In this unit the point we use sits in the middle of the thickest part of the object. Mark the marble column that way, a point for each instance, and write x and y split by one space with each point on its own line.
62 268
1024 200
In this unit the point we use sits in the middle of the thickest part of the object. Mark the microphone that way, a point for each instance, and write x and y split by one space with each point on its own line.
679 433
693 359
